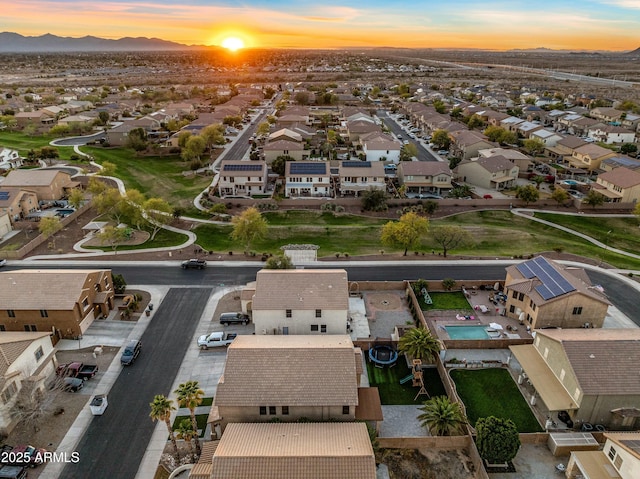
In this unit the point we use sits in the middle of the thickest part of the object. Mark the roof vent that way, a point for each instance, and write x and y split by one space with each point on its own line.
592 356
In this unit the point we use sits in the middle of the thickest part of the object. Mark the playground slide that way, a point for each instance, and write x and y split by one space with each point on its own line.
406 379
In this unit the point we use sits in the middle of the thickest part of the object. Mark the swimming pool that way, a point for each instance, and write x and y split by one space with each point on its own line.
467 332
571 182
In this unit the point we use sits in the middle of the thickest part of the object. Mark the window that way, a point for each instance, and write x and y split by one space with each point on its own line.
612 453
43 313
577 310
2 327
11 313
323 328
285 410
272 410
318 313
512 309
39 353
263 410
514 294
617 462
314 327
30 327
521 297
85 303
288 313
345 409
9 391
97 287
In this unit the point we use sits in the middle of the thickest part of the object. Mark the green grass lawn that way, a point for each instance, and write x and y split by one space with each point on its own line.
450 301
387 380
492 392
201 420
153 176
164 238
23 143
297 217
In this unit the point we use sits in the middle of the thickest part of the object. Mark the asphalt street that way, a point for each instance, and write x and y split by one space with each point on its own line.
423 153
114 443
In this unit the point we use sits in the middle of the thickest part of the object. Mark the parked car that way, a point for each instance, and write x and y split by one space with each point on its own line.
131 352
2 262
194 264
443 152
12 472
25 456
72 385
234 318
77 370
216 340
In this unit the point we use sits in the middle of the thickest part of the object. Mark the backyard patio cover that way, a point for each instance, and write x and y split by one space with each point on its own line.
554 395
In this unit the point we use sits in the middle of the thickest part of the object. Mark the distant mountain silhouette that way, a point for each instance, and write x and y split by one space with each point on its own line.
15 43
634 53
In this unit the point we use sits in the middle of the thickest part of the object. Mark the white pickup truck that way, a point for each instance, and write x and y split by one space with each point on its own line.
215 340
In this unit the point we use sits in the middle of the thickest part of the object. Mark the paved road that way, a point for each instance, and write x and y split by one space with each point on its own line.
114 444
423 153
78 140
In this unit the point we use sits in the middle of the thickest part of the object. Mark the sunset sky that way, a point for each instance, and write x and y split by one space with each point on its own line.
494 24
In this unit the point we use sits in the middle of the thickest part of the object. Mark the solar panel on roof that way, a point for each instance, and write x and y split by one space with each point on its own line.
356 164
307 168
247 167
4 195
553 283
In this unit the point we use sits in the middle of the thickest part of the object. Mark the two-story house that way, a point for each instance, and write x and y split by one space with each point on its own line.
425 177
293 149
608 115
381 149
494 172
242 178
66 303
17 203
522 161
543 294
465 144
46 184
589 156
620 185
618 459
592 374
307 178
306 302
358 176
548 137
9 159
612 134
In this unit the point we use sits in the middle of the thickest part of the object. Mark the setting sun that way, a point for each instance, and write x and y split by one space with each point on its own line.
233 43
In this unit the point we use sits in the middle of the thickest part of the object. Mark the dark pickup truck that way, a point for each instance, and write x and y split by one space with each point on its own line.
194 264
77 370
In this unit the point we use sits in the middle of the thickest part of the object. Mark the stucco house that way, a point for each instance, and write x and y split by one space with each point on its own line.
493 172
26 360
618 459
589 156
358 176
62 302
465 144
592 374
313 377
609 115
277 148
48 185
9 159
522 161
242 178
612 134
307 178
620 185
381 149
17 203
548 137
5 225
543 293
425 177
294 451
314 302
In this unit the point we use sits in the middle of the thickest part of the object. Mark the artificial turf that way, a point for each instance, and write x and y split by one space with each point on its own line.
387 380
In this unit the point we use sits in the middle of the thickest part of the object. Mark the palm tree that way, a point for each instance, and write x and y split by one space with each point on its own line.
442 417
185 431
419 343
190 396
161 408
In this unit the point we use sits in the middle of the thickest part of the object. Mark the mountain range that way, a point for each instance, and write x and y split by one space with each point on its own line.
15 43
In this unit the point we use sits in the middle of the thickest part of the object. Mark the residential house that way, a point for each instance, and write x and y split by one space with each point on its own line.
425 177
607 115
591 374
611 134
76 106
618 161
286 135
77 119
543 294
465 144
46 184
358 176
5 225
9 159
242 178
24 118
522 161
630 121
548 137
288 120
357 128
27 359
295 451
299 302
17 203
119 135
64 302
581 126
493 117
620 185
381 148
307 178
274 149
511 123
589 156
312 377
494 172
618 459
526 128
564 147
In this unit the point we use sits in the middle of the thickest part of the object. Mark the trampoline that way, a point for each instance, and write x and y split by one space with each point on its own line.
383 355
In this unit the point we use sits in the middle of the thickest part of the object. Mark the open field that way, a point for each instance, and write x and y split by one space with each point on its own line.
23 143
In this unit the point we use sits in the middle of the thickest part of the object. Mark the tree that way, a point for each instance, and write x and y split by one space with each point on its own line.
161 408
108 168
593 199
497 439
263 129
49 226
449 237
527 193
281 261
76 198
636 210
190 396
560 195
119 283
302 98
405 232
158 213
419 343
33 406
448 284
183 136
137 139
213 135
103 117
440 138
442 417
627 148
193 148
248 226
461 191
538 180
186 433
534 146
374 199
408 151
475 121
113 236
48 153
279 164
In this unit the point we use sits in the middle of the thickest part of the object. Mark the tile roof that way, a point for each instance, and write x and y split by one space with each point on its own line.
508 153
622 177
295 451
13 344
424 168
52 289
604 361
32 177
283 145
370 168
593 151
572 142
495 164
301 289
289 371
